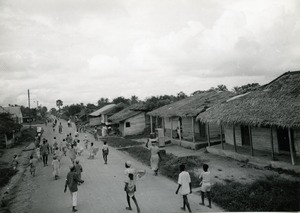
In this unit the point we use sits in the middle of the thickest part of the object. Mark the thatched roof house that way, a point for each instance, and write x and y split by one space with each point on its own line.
178 119
191 106
131 120
249 119
100 116
275 104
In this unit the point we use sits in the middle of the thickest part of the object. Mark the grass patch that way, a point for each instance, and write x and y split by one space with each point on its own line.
120 142
267 194
169 166
6 174
140 153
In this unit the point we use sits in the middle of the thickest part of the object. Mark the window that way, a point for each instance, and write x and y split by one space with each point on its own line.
127 124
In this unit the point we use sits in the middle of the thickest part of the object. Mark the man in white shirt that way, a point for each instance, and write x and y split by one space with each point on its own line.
184 183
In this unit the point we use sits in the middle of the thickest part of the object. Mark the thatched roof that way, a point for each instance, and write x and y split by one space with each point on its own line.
141 106
104 110
274 104
191 106
124 114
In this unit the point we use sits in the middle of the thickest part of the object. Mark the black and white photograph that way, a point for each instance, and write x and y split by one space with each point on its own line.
149 106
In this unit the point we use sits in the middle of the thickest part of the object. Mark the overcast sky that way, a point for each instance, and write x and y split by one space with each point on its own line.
80 50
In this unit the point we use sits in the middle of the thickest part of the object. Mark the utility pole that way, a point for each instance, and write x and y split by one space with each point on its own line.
28 98
37 104
29 108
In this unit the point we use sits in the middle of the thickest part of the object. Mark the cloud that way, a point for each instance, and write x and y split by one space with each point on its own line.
80 51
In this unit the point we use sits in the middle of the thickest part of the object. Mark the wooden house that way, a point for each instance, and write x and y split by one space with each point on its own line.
101 115
178 120
131 120
267 119
15 112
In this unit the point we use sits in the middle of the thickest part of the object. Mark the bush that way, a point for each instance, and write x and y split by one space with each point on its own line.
169 167
28 135
140 153
6 174
120 142
269 194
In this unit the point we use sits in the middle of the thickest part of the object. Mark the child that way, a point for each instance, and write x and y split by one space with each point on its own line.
72 153
105 152
32 164
38 152
64 147
15 162
92 151
130 189
55 165
184 182
57 154
79 148
78 169
205 184
86 141
54 145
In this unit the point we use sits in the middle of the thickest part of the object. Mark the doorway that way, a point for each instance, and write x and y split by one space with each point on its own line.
283 139
245 135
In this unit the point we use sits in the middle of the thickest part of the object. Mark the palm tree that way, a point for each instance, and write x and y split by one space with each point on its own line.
59 103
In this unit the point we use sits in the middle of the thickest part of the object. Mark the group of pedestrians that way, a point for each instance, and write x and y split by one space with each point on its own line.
74 148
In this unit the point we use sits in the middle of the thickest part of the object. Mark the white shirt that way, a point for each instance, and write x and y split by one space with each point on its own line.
205 177
184 180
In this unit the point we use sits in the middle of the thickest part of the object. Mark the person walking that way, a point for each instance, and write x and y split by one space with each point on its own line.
205 185
78 169
130 189
184 183
45 151
72 183
72 154
155 156
105 152
60 128
32 164
55 166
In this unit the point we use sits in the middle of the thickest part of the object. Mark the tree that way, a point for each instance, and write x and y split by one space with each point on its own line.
121 99
181 95
134 99
59 104
44 111
102 102
7 124
219 88
53 111
74 109
245 88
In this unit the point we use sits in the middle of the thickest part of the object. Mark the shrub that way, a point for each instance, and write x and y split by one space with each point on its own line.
268 194
140 153
120 142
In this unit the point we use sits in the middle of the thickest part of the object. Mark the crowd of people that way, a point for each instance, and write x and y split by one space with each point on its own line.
72 148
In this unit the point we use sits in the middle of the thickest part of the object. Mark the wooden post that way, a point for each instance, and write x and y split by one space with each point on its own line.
171 128
193 129
151 124
156 122
251 142
291 147
234 140
208 135
221 135
272 144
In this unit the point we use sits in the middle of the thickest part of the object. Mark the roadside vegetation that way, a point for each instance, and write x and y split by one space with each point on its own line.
118 142
266 194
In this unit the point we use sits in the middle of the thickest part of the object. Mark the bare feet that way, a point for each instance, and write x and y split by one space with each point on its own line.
128 208
183 209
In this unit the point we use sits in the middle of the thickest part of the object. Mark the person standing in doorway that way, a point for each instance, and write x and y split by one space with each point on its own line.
72 183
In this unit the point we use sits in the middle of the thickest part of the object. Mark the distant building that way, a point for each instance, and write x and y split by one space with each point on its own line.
131 120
